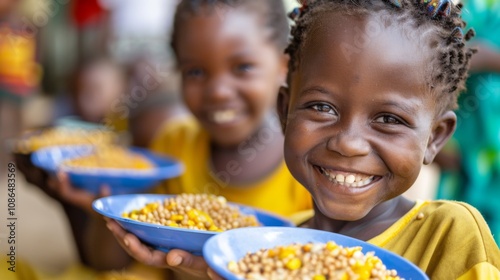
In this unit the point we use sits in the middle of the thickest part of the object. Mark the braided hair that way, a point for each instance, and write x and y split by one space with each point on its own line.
272 13
438 21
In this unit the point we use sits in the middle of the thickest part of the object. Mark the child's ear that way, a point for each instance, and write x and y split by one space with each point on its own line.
443 129
282 105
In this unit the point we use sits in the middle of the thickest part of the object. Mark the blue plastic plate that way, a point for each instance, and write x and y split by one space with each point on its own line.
234 244
120 181
165 238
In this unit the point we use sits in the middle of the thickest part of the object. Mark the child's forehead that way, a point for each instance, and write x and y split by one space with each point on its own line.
361 30
363 41
212 23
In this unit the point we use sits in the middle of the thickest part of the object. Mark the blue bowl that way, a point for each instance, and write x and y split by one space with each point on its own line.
165 238
120 181
234 244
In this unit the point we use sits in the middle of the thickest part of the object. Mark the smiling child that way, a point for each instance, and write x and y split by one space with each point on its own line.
372 86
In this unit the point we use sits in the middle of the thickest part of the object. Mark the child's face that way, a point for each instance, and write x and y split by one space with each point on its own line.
359 120
98 87
231 72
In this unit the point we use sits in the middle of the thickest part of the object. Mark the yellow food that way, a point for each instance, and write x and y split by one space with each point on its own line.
313 261
193 211
64 136
111 157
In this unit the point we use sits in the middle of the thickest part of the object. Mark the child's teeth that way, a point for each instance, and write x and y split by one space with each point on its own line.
224 116
339 178
350 179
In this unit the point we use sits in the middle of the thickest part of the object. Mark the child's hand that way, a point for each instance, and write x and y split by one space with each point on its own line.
79 198
213 275
33 174
177 260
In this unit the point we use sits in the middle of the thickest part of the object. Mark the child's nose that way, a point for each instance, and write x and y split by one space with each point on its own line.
219 89
349 143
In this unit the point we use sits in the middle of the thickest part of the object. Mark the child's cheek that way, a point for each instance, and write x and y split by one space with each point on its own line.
408 165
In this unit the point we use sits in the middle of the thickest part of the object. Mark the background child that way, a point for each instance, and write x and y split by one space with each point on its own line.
233 146
96 87
370 99
229 83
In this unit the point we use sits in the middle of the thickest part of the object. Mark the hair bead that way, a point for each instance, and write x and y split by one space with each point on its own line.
437 8
396 3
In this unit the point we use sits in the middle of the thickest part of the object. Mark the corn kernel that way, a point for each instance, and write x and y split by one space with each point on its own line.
330 246
286 252
344 276
271 253
294 264
177 218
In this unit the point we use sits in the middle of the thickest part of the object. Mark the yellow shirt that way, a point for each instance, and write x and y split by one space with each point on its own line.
186 141
446 239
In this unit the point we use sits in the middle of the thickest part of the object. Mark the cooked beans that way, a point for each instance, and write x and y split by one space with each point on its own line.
64 136
194 211
107 156
312 261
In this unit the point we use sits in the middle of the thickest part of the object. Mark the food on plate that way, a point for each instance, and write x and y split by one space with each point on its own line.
108 156
58 136
314 261
194 211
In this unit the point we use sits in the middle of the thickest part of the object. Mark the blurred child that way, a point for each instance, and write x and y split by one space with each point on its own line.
233 145
97 91
361 116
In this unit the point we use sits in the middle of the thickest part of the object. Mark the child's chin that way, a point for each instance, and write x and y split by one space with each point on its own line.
230 141
342 212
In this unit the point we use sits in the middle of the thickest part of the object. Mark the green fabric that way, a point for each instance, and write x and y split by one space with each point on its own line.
478 131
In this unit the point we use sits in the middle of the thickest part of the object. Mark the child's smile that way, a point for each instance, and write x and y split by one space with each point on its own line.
360 121
224 116
348 179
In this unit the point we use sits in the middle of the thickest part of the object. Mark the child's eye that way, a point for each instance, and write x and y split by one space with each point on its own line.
388 119
194 73
324 108
244 67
